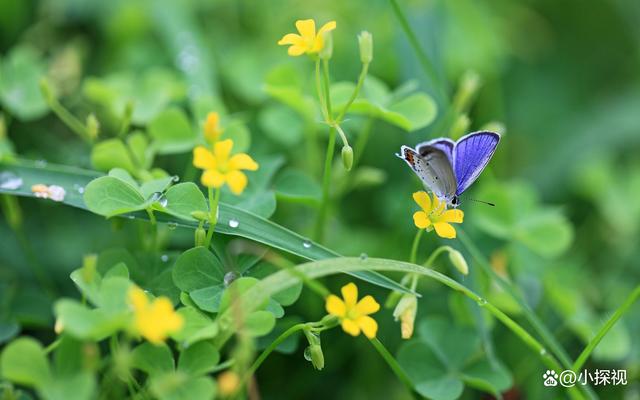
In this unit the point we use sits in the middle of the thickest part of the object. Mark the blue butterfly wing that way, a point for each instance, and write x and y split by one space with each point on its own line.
471 155
443 144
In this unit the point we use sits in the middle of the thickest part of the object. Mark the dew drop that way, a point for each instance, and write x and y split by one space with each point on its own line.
306 244
155 196
78 188
41 163
163 201
10 181
482 302
234 223
229 277
130 216
172 226
543 351
164 258
307 353
363 256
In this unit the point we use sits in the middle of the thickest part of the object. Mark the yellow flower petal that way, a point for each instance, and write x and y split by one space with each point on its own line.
242 161
438 206
296 50
423 200
329 26
350 294
455 216
137 298
421 220
212 178
222 149
335 306
307 28
203 158
291 38
212 129
351 327
237 181
368 325
445 230
367 305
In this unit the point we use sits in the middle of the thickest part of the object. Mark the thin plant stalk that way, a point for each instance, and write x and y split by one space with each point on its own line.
393 364
214 199
582 358
415 245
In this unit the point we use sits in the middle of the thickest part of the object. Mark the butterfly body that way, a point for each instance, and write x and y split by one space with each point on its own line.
448 168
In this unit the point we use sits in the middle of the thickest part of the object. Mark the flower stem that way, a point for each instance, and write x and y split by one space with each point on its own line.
328 162
213 214
323 106
393 364
265 353
605 329
356 91
427 66
415 245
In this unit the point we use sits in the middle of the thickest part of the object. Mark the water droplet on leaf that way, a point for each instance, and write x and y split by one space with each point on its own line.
229 277
10 181
363 256
164 258
482 302
307 353
306 244
234 223
172 225
41 163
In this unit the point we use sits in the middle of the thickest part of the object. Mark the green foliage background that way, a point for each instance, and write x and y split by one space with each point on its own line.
560 77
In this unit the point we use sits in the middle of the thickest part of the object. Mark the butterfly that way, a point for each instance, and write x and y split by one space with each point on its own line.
448 168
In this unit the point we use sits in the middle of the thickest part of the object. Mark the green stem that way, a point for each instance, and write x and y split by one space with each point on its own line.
328 162
427 66
53 345
327 90
213 213
356 91
154 229
393 364
323 106
265 353
414 246
605 329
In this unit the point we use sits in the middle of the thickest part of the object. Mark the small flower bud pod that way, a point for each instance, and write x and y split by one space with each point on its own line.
406 311
200 236
93 126
458 261
347 157
365 42
317 357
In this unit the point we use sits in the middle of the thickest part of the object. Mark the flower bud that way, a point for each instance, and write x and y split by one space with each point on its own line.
365 42
460 126
89 267
316 355
228 383
200 237
406 311
58 327
469 84
458 261
347 157
46 91
327 48
200 215
93 126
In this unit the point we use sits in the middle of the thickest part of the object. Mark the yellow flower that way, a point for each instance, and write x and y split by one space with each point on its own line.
354 314
219 168
212 129
307 41
435 215
154 321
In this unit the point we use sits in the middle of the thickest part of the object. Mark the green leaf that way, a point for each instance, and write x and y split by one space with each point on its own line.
179 386
118 270
184 198
281 124
295 185
124 176
109 196
91 290
237 131
159 185
261 204
152 359
112 153
208 298
547 233
485 376
197 268
140 150
197 326
23 361
198 359
8 330
113 294
84 323
172 132
20 74
259 323
418 109
79 386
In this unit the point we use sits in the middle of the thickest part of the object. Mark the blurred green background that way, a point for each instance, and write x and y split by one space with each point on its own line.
562 78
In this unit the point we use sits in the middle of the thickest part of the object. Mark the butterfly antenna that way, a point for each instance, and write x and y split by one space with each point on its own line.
481 201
